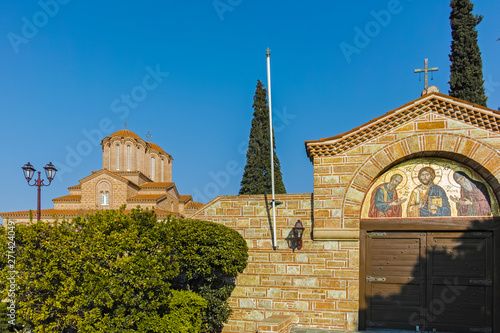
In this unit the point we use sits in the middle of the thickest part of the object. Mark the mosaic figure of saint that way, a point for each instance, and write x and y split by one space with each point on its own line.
428 199
384 201
474 197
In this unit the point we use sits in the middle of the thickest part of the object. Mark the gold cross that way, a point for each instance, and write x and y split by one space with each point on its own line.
268 51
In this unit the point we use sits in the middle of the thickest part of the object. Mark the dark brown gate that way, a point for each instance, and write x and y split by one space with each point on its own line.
434 280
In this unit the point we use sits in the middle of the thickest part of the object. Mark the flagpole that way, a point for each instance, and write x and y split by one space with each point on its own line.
273 202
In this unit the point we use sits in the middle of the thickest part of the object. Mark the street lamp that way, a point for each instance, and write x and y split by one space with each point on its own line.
29 171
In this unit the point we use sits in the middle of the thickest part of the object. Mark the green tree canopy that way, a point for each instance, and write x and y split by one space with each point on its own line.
210 256
108 272
466 81
257 175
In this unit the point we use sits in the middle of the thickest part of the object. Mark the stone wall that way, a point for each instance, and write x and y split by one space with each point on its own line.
317 286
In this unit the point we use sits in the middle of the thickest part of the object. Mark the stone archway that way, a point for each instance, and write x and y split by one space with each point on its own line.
480 156
420 279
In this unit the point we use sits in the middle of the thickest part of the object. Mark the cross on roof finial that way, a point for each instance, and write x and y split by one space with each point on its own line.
268 51
148 136
125 125
426 69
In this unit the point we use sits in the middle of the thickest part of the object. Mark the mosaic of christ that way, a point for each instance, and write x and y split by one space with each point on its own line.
429 187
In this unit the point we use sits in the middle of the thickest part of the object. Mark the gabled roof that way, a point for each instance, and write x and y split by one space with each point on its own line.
185 198
194 205
69 197
147 197
109 173
159 185
454 108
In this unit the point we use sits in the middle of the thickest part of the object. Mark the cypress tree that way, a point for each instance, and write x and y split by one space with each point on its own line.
257 176
466 81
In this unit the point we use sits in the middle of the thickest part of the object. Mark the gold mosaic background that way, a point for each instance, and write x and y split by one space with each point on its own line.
444 170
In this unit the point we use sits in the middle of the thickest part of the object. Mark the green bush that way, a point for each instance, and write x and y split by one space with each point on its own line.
108 272
210 256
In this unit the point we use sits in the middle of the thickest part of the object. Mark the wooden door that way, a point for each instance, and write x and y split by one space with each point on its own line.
395 281
439 281
459 281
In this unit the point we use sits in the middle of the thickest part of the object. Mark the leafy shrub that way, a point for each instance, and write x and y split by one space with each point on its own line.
210 256
107 272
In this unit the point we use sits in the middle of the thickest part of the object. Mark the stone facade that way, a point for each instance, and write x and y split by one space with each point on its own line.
319 285
135 173
316 286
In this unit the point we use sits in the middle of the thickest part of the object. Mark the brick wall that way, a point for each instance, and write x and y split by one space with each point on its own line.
341 181
317 285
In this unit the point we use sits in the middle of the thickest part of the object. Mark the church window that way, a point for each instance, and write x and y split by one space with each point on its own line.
128 158
117 157
104 198
153 168
162 169
138 151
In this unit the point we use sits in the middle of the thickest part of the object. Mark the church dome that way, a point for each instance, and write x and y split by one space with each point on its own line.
156 147
125 133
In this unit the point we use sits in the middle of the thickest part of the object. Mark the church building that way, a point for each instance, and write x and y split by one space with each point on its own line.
401 232
134 172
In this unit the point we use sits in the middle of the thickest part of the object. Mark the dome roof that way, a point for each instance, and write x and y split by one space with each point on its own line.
156 147
125 133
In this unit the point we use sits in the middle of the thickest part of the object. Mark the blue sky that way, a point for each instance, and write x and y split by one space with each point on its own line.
67 67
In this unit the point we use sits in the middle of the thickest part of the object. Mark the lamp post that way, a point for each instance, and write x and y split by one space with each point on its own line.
29 171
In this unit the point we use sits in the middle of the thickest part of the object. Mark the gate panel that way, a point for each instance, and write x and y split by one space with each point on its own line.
459 282
395 278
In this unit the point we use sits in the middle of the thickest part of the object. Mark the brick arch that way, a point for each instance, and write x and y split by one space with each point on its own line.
482 157
104 185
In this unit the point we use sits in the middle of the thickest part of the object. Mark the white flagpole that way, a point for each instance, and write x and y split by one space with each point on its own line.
268 51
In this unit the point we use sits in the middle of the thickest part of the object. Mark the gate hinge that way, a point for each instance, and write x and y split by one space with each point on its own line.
375 234
374 279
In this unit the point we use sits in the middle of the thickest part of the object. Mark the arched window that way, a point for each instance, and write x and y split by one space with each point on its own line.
137 157
105 198
153 168
162 169
128 158
117 157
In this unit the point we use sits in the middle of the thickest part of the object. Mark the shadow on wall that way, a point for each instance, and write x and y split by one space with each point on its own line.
434 280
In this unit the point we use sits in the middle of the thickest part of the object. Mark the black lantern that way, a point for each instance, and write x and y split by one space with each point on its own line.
50 171
295 239
29 171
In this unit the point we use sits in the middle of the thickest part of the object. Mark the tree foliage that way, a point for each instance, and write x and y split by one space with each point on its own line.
257 175
210 256
466 81
108 272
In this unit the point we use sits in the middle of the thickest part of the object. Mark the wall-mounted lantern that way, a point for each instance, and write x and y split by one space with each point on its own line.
295 239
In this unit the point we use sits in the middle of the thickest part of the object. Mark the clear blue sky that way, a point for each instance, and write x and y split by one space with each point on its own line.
66 69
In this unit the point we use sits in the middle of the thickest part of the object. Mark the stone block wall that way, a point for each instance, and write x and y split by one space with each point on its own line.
316 286
341 180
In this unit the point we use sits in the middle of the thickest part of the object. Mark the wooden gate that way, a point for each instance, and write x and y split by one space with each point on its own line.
434 280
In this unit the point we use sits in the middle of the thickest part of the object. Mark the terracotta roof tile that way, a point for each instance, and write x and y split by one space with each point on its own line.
69 213
125 133
472 114
156 147
194 205
69 197
146 197
75 187
184 198
158 185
